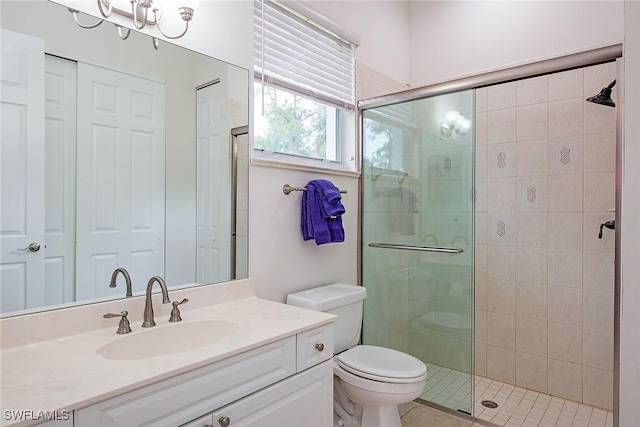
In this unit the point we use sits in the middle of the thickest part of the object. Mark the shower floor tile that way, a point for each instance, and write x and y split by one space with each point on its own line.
516 406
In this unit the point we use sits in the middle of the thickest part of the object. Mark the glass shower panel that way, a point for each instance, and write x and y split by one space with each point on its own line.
417 235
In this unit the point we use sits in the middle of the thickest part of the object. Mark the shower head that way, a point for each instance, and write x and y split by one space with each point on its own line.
604 97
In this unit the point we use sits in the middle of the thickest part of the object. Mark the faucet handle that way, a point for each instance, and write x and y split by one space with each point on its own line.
175 312
123 326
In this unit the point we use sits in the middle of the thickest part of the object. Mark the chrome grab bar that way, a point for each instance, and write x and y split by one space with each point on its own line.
442 249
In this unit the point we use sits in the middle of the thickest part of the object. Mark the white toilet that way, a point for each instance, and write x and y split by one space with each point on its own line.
370 381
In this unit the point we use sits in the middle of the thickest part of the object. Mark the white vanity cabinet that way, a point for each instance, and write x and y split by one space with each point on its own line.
304 400
266 386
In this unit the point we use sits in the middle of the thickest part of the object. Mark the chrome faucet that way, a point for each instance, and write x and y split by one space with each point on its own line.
148 305
127 279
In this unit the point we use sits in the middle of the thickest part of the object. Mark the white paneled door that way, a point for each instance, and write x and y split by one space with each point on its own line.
60 179
213 238
121 179
22 172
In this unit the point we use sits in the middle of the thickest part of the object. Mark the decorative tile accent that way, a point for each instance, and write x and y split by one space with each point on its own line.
531 194
565 155
501 159
447 164
473 195
501 229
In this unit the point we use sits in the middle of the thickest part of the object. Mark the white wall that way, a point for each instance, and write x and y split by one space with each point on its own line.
278 256
630 304
454 38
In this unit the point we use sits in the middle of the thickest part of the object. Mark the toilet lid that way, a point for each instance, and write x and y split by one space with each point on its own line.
382 364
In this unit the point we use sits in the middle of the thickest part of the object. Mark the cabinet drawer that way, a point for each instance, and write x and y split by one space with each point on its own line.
315 346
182 398
306 399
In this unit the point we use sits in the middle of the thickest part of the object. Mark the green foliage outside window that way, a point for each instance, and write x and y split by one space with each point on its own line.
291 123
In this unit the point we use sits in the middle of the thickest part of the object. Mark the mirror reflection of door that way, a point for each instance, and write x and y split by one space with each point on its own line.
60 179
82 143
22 172
121 179
213 238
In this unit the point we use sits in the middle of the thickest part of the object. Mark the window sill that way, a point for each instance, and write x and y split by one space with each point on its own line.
280 164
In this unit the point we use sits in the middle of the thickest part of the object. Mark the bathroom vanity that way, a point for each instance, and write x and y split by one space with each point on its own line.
236 361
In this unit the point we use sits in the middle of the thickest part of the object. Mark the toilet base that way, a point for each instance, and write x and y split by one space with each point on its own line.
387 416
377 405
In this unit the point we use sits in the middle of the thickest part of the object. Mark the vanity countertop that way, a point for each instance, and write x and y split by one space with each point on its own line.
66 373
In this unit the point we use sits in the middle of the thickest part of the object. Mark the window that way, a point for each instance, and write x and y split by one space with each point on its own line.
388 132
304 84
384 145
294 124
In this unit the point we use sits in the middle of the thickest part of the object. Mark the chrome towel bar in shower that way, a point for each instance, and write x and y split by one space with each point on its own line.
286 189
442 249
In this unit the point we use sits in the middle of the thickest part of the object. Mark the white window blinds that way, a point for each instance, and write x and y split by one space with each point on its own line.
296 54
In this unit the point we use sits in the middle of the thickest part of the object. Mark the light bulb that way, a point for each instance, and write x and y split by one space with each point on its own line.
451 117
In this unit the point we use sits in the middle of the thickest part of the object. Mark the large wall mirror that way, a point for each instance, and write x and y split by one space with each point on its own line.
115 155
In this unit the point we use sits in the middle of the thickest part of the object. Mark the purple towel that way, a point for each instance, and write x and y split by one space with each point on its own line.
330 197
321 213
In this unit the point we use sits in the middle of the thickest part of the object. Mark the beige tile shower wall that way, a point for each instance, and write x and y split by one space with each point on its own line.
545 164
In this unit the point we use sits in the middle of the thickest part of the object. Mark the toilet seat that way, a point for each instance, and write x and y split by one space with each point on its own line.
382 364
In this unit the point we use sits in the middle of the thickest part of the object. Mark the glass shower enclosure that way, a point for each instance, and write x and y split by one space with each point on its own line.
417 238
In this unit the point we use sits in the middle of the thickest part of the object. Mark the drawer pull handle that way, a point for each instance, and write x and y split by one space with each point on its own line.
224 421
320 346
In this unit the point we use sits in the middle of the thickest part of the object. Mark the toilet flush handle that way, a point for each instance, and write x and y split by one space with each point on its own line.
320 346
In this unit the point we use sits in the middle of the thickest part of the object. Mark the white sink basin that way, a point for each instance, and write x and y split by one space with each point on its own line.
175 338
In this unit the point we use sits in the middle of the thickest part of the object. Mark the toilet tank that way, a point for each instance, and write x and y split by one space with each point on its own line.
342 299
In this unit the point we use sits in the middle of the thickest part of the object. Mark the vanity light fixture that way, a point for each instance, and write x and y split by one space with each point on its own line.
454 125
140 12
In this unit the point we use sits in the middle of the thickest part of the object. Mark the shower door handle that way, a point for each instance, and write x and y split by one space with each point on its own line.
441 249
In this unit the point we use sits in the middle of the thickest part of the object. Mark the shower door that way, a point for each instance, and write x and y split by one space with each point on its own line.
417 236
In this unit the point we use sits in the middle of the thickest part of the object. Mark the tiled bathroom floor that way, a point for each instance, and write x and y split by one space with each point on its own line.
416 415
516 406
448 387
